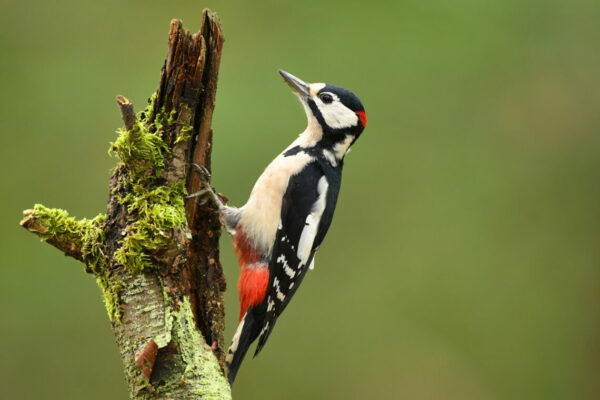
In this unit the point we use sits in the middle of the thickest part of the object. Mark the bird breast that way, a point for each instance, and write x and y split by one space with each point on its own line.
260 216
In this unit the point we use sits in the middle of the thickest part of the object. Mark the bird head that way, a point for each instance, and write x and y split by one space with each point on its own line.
335 111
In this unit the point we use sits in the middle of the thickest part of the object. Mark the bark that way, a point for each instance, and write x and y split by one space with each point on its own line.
155 255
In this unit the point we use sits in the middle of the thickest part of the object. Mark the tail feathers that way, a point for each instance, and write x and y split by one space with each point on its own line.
264 335
273 308
246 333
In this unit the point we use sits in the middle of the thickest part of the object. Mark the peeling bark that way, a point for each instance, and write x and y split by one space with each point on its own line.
156 257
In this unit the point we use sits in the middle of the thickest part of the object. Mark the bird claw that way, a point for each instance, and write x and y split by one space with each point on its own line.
202 171
207 192
197 194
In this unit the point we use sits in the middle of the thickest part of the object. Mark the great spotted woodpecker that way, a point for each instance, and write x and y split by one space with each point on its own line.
277 232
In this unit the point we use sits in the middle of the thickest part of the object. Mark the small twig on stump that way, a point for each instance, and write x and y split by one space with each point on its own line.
127 112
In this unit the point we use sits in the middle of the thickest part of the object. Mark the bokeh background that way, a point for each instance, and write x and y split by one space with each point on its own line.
463 261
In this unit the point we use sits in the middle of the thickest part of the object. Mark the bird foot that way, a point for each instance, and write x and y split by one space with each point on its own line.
207 193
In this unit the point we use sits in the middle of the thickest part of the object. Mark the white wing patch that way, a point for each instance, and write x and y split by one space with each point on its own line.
311 225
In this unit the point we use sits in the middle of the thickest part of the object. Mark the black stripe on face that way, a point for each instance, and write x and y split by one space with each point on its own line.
317 113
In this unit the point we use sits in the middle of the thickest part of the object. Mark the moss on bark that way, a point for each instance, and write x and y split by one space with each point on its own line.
154 205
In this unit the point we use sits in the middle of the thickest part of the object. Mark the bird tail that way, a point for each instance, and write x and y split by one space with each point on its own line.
246 333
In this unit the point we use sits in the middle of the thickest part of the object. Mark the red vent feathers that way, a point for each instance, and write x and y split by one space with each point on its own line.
252 286
254 279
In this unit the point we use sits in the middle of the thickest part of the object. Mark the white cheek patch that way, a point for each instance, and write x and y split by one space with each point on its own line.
335 114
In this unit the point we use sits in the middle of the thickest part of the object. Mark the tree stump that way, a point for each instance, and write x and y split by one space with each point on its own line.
154 254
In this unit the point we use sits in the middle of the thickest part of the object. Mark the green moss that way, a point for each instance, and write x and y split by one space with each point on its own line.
111 291
92 241
164 120
155 208
185 132
86 234
155 214
141 150
149 111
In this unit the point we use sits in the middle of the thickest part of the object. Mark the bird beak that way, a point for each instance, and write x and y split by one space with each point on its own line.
299 86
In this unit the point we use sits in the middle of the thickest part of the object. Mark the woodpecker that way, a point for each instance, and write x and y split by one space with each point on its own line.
278 231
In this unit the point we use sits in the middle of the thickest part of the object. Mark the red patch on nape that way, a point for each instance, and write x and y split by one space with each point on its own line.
363 118
252 286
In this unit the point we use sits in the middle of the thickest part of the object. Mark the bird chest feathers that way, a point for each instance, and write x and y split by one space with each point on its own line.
261 214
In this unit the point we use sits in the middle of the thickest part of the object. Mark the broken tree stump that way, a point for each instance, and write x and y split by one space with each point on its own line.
154 254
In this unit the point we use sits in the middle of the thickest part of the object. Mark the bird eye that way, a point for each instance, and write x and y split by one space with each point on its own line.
326 98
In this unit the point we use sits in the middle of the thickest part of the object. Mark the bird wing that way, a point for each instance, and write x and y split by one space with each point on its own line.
305 218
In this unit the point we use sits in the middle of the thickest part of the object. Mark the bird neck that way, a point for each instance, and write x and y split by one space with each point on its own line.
332 146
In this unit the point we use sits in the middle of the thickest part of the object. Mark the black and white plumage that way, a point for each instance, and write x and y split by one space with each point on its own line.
308 203
277 232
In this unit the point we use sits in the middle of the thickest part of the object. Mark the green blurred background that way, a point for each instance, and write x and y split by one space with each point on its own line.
463 258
